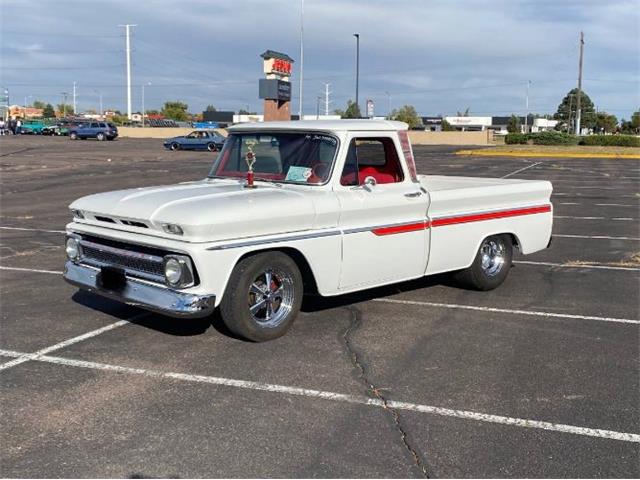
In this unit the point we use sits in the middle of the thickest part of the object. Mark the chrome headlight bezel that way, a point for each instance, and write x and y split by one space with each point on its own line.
183 265
72 248
77 214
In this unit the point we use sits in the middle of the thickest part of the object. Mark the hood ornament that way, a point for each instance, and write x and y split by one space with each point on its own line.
250 158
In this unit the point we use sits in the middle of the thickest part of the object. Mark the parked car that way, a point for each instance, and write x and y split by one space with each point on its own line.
32 127
57 129
98 130
197 140
329 206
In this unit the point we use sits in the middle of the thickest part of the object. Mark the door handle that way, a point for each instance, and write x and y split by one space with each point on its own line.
413 194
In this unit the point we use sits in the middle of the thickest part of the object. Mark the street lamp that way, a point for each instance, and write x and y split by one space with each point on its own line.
143 85
357 35
100 96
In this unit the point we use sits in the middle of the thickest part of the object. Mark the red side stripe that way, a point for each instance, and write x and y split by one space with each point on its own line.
439 222
411 227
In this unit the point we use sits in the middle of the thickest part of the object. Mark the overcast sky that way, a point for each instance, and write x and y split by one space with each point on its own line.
440 56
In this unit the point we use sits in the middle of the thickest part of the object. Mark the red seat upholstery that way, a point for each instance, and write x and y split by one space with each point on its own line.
381 174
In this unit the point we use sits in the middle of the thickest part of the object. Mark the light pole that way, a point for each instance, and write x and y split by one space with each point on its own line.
25 105
357 35
143 85
526 113
301 56
388 104
100 96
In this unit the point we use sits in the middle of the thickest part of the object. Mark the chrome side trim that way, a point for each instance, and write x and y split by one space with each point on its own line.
387 225
142 294
264 241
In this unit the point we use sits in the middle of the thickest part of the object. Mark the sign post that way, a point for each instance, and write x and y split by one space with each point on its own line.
275 88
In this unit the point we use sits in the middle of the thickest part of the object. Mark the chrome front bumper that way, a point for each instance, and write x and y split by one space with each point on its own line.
142 294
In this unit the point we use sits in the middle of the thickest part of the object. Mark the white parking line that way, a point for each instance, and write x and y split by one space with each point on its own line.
596 237
32 229
589 265
506 310
34 356
521 169
615 205
345 398
35 270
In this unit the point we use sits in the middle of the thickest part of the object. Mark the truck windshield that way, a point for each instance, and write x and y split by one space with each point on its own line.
301 157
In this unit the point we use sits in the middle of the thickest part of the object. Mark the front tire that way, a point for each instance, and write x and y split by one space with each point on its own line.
491 264
175 146
73 136
263 296
100 137
211 147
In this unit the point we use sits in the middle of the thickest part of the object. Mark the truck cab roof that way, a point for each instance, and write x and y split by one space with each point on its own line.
360 125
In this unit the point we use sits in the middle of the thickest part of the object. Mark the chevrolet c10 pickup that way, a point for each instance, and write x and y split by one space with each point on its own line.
293 208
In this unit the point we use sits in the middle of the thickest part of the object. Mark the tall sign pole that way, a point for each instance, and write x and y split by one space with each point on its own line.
578 100
357 35
301 57
74 98
127 28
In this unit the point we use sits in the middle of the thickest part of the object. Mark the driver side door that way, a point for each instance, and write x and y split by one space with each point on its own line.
384 221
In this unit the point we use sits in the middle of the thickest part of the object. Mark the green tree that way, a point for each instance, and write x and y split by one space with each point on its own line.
243 111
567 110
514 125
352 110
38 104
446 126
210 108
408 115
176 111
631 127
64 109
48 111
605 123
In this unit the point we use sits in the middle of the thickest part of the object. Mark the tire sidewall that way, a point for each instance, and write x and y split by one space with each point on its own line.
234 307
211 147
100 137
175 146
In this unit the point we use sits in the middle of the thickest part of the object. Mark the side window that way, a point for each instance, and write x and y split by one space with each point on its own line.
371 157
94 125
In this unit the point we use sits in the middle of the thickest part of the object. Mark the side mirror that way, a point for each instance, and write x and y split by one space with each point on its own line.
369 182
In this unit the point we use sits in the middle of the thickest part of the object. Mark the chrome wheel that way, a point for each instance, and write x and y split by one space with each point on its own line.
492 253
271 297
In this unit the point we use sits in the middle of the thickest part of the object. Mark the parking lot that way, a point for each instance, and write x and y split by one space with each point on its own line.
539 378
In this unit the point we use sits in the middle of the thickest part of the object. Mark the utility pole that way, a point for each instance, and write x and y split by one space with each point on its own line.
127 28
388 104
526 113
578 111
100 96
326 98
318 98
64 104
301 57
357 35
74 98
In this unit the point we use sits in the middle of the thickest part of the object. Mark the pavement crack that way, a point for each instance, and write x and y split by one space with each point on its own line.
356 360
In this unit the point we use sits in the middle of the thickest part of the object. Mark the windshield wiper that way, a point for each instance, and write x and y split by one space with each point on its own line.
272 182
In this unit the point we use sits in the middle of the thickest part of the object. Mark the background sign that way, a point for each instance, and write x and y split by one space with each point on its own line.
274 89
370 106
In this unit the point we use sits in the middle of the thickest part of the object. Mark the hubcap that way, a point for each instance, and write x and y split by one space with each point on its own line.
493 254
271 297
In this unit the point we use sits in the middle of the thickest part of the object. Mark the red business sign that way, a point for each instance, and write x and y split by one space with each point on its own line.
281 66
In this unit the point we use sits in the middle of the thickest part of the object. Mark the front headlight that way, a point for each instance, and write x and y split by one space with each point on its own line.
178 272
172 228
77 214
72 247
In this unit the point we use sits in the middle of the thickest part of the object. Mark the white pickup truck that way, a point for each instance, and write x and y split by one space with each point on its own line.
293 207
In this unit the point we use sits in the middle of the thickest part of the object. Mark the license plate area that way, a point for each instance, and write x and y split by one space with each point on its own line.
112 278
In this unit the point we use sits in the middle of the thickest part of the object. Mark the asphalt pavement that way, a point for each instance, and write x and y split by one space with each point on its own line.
539 378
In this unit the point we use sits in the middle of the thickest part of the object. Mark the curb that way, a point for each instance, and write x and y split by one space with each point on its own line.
494 153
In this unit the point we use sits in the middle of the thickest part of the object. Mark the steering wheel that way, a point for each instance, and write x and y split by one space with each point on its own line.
318 172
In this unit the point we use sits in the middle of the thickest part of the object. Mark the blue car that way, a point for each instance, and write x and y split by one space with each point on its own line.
98 130
196 140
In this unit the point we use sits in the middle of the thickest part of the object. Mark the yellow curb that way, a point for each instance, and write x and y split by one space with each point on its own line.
498 153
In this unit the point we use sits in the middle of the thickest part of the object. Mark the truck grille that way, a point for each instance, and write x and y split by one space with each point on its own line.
133 262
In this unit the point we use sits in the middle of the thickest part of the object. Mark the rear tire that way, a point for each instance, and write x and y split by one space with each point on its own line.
263 296
491 265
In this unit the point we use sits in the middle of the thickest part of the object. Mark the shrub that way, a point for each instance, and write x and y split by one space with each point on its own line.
515 139
552 138
611 140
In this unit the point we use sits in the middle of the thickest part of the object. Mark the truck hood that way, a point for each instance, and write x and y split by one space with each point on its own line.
208 210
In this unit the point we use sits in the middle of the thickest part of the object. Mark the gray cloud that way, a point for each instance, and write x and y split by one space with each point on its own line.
439 56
